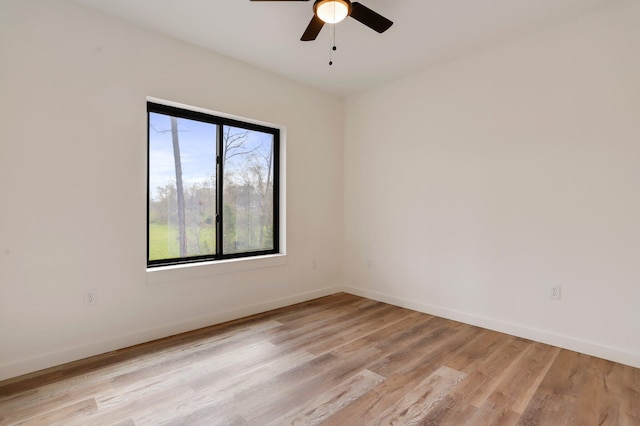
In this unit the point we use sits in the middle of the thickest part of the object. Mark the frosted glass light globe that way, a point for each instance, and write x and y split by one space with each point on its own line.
332 11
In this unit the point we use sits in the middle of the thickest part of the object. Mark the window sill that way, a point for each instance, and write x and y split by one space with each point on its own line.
190 271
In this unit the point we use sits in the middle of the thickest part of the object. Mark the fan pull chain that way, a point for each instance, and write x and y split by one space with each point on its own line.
332 43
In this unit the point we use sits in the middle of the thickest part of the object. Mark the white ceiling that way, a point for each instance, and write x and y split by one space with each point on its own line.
425 33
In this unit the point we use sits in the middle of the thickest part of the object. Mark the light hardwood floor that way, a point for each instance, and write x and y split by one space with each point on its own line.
338 360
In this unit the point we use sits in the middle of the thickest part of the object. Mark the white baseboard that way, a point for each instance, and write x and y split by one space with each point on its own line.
79 352
565 342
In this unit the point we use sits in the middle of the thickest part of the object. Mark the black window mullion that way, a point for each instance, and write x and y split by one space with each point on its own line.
219 190
276 191
148 179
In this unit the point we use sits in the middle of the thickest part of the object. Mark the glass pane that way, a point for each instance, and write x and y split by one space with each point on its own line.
248 190
182 187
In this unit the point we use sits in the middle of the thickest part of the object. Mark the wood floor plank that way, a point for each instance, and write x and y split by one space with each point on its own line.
275 393
74 413
515 388
126 422
389 336
138 406
133 357
166 381
320 317
628 388
521 387
485 360
425 354
21 407
292 392
418 401
552 401
404 368
316 333
136 362
336 360
266 369
306 310
211 392
356 329
331 401
497 367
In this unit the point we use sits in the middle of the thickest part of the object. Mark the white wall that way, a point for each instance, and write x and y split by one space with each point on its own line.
473 187
73 88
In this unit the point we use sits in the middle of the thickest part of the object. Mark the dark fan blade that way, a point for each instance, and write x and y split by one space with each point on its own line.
371 19
313 29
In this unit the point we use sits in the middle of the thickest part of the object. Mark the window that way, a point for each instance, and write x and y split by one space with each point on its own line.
212 187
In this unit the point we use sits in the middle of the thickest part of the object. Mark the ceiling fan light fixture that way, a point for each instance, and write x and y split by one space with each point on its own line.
332 11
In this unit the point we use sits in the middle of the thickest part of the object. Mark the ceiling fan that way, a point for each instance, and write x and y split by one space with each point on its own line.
334 11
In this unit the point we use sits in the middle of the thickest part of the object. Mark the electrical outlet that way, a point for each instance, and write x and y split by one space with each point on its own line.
369 264
90 296
554 292
314 264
